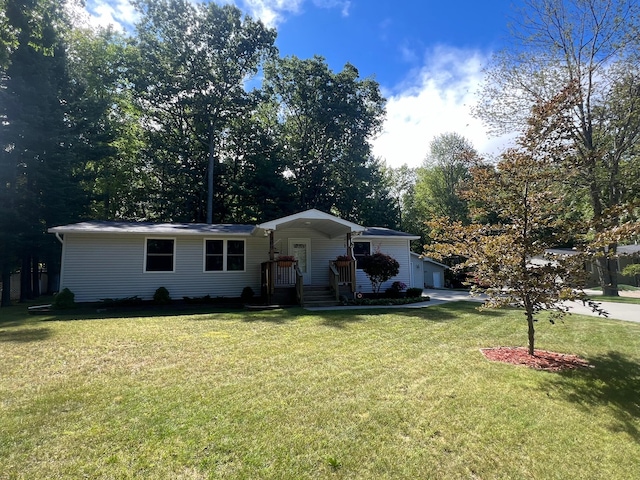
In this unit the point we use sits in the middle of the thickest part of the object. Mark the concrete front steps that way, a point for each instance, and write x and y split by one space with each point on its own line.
319 296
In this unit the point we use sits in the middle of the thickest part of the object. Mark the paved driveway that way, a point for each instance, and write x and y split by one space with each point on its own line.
620 311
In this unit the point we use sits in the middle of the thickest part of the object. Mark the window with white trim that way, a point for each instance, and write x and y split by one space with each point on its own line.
361 249
224 255
159 255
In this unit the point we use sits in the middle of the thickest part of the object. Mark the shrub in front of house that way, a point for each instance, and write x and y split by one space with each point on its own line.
247 294
414 292
64 300
161 297
379 267
395 290
384 301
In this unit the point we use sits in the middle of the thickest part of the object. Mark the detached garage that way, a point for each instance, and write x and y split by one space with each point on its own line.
426 272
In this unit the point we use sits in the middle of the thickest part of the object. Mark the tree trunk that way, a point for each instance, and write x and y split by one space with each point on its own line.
210 176
6 287
35 277
607 276
25 279
528 307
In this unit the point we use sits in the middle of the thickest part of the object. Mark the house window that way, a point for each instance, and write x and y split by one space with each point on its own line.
224 255
160 255
360 250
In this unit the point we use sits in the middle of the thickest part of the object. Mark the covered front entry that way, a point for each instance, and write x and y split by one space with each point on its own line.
315 239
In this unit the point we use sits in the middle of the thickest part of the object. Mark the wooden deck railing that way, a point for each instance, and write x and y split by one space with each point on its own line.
277 274
343 273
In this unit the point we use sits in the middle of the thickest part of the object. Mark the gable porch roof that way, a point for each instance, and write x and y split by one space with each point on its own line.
322 222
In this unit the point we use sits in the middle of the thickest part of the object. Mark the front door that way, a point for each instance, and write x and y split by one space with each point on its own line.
301 249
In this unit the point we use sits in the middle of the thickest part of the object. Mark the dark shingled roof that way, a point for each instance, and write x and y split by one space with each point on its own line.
384 232
155 228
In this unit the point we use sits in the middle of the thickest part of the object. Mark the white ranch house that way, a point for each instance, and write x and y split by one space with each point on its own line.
124 259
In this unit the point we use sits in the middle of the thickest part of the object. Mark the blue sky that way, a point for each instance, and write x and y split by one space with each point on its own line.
427 56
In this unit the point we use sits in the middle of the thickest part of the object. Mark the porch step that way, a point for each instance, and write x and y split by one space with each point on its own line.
319 296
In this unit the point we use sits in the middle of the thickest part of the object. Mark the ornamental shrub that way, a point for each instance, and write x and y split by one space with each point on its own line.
379 267
161 297
64 299
247 294
414 292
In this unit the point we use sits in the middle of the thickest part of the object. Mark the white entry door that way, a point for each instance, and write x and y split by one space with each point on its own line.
301 249
437 280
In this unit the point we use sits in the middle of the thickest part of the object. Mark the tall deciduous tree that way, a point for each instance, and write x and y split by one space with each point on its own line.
443 173
592 44
327 121
193 66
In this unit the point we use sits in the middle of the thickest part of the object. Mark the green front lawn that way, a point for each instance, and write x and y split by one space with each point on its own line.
290 394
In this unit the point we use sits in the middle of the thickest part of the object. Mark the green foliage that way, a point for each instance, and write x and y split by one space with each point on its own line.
161 296
190 76
590 46
521 193
385 301
121 302
445 171
631 270
379 267
325 122
64 300
414 292
247 294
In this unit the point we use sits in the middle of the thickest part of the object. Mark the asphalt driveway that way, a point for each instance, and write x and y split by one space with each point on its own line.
620 311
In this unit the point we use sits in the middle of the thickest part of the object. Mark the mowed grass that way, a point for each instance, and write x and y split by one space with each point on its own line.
291 394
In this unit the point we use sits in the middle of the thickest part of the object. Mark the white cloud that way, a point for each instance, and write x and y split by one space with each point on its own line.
435 99
119 13
273 12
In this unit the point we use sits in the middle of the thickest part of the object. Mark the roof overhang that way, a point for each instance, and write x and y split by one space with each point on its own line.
429 260
174 229
322 222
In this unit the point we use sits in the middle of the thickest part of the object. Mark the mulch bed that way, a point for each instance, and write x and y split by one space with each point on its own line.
540 360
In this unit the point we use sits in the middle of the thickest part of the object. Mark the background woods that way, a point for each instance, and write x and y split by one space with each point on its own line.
194 116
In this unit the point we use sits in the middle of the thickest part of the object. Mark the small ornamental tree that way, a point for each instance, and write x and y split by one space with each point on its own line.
379 267
507 258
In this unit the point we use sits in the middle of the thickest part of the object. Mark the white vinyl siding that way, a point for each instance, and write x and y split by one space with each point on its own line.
112 265
398 248
98 266
324 250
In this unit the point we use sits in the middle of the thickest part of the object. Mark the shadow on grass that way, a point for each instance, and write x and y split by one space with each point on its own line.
26 335
613 382
434 313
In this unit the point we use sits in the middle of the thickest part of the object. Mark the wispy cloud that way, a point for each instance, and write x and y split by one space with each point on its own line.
273 12
434 99
121 14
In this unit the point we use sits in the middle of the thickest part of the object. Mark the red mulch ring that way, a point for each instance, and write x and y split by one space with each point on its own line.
540 360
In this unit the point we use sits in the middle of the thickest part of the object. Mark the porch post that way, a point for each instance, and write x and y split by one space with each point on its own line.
272 266
352 262
272 250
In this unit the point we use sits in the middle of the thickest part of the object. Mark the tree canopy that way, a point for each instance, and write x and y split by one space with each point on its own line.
192 117
592 46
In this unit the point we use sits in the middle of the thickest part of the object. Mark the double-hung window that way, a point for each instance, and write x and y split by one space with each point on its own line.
224 255
159 255
360 250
